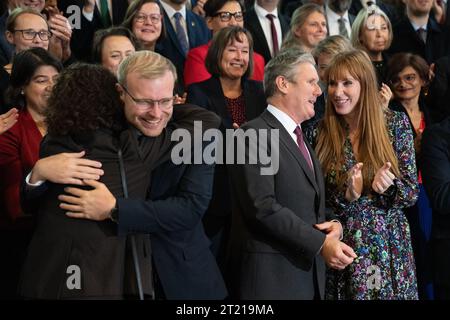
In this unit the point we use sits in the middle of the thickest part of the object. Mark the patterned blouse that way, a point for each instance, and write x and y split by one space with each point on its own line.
376 227
236 108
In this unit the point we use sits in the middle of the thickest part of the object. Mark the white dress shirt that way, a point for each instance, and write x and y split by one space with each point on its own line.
265 24
89 16
333 24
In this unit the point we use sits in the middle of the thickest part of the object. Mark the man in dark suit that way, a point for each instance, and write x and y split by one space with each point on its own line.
280 237
439 91
419 33
436 179
263 28
93 18
185 30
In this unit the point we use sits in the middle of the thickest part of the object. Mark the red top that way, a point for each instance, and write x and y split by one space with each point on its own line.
236 107
195 69
19 151
421 128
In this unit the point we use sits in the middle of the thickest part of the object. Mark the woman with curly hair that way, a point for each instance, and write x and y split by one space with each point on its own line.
92 250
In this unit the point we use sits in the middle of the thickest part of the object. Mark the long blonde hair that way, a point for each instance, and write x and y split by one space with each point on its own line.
375 148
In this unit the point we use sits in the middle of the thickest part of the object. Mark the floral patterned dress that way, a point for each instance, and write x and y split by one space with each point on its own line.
376 227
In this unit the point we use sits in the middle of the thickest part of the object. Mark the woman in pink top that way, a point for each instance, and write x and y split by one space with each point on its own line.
219 14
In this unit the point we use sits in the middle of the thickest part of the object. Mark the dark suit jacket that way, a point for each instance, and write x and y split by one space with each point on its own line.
436 179
436 175
407 40
81 42
184 263
169 47
439 92
274 246
6 49
260 45
209 94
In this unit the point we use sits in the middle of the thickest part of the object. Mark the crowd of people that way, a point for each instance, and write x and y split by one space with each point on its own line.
354 93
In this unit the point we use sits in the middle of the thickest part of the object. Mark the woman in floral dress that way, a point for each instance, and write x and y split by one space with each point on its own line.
367 155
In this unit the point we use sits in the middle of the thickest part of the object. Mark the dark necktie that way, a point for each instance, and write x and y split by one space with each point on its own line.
273 30
342 28
104 12
302 147
422 33
181 34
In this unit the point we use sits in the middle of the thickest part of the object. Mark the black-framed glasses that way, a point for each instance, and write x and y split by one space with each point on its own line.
225 16
30 34
409 78
164 103
142 17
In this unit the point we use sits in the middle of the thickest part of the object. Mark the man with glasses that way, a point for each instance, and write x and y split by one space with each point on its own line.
267 26
185 30
178 197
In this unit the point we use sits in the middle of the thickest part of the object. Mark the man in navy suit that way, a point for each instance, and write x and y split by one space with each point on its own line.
259 25
185 30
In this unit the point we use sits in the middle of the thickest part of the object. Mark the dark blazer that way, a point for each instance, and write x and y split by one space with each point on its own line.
436 179
274 247
81 42
390 11
6 49
439 91
407 40
260 45
209 94
184 263
169 47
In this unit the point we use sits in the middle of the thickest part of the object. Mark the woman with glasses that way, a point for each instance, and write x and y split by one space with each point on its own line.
219 14
112 46
372 33
368 162
408 76
308 27
144 18
33 75
236 99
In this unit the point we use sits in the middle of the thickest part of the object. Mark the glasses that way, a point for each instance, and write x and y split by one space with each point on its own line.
409 78
226 16
164 104
30 34
154 17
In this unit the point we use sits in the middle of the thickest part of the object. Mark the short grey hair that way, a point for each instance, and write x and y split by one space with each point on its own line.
361 21
284 64
148 64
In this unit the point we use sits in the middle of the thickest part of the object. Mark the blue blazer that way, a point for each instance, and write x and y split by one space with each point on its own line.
179 195
169 47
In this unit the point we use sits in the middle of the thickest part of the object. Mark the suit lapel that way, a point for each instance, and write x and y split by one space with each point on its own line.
258 33
288 142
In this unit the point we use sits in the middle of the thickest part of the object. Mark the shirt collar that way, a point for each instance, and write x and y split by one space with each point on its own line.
171 11
417 27
261 12
287 122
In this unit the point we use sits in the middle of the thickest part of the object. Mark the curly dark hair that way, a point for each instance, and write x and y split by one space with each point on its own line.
84 99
